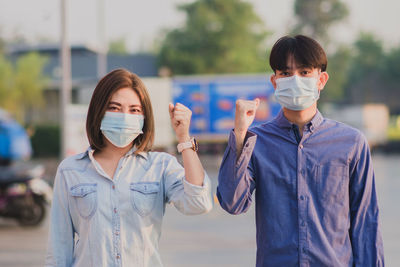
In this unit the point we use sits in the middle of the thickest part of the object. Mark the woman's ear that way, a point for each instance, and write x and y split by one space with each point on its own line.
323 79
272 78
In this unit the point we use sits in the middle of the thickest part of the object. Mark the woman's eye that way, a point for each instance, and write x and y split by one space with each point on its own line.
112 108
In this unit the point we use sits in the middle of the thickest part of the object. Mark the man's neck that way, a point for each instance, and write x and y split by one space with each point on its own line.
300 117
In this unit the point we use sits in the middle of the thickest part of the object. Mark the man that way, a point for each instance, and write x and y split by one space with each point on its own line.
316 202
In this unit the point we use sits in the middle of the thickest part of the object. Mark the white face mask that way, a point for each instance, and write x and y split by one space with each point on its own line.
121 128
296 93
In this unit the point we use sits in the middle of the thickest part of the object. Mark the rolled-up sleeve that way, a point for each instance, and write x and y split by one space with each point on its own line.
236 179
61 234
365 231
189 199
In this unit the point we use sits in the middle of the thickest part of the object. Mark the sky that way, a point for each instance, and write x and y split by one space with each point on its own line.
142 23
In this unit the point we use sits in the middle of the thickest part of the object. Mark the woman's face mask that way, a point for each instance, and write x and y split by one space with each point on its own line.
296 93
121 128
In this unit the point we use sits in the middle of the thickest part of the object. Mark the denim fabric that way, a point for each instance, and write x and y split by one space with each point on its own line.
98 221
316 203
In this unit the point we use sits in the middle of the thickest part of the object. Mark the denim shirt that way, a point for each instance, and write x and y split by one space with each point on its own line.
98 221
316 203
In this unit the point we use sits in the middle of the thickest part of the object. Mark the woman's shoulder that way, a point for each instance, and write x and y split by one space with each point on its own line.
76 161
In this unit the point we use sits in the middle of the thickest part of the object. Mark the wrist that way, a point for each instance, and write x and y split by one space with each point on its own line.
183 138
240 134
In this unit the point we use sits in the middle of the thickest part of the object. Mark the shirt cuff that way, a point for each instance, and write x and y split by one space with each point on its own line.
248 144
193 190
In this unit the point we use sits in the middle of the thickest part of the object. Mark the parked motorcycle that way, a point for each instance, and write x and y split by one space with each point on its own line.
24 194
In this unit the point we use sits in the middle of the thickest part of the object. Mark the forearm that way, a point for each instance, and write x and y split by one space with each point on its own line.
194 172
365 231
235 182
239 137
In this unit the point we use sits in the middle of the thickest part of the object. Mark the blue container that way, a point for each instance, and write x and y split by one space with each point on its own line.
14 141
212 101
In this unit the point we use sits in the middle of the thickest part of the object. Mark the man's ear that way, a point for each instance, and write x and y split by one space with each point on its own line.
323 79
272 78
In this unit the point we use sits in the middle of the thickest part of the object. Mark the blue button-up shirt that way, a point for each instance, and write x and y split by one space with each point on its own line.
97 220
316 203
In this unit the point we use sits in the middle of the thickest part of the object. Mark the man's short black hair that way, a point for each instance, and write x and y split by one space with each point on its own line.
306 52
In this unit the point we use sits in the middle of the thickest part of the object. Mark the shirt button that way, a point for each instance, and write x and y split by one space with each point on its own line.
301 146
115 210
304 250
113 186
117 233
301 197
303 223
118 257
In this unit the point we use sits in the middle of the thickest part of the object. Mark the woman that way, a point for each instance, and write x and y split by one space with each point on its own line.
109 201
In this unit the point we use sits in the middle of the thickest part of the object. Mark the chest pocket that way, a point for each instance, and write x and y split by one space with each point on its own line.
143 196
85 198
333 182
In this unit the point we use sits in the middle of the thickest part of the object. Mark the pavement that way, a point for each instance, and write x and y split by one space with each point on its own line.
214 239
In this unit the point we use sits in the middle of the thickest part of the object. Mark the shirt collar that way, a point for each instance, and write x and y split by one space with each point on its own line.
90 151
312 125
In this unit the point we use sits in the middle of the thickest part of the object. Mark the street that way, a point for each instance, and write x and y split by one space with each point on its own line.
217 239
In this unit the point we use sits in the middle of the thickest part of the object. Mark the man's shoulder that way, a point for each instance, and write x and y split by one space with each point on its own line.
343 130
330 123
263 128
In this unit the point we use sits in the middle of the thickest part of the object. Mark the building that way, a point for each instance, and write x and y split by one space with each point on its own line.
84 74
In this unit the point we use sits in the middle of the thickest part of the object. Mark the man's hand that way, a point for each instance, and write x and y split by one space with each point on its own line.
180 119
244 117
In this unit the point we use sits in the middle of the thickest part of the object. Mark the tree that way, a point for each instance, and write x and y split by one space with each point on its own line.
118 47
314 17
21 85
338 69
6 81
219 36
365 70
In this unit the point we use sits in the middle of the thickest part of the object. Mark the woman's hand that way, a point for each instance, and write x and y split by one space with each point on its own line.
180 119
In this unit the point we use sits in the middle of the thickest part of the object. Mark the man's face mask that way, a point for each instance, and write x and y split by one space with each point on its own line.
121 128
296 93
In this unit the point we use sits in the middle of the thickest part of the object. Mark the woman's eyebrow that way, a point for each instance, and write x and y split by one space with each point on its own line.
114 103
136 105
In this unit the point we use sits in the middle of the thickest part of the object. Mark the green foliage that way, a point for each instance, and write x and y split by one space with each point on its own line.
391 66
368 56
21 85
46 141
118 47
365 70
314 17
6 81
338 69
220 36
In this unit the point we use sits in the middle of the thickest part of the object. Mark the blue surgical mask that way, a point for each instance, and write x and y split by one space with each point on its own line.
121 128
296 93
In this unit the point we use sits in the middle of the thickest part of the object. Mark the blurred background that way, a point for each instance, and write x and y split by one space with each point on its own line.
204 54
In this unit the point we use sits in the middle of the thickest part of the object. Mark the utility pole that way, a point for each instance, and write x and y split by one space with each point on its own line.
66 84
102 40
